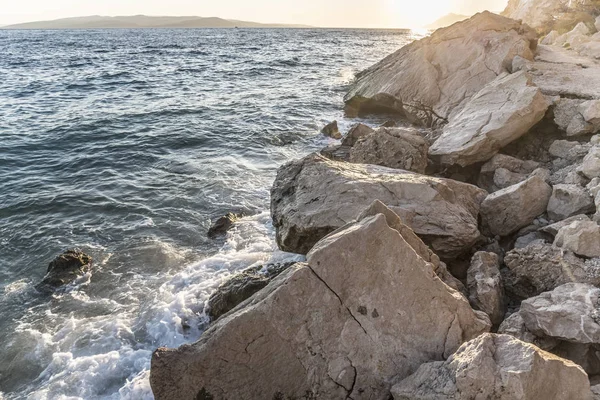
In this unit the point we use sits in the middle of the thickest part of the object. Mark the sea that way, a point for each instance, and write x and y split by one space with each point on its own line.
126 144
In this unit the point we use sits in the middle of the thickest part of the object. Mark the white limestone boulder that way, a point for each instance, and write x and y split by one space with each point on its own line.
314 196
580 237
503 111
497 367
510 209
392 147
348 324
432 78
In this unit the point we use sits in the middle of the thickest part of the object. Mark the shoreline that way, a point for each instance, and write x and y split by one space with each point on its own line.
511 161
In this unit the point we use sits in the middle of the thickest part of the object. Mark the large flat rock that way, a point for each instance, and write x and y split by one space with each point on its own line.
315 196
433 77
560 72
501 112
349 324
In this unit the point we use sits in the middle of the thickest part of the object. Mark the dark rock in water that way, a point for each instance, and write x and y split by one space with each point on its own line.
332 130
389 124
223 224
64 269
241 287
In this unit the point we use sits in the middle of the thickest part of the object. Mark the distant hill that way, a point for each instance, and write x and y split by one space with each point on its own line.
446 21
143 21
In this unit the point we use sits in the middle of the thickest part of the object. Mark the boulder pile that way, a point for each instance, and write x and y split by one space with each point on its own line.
455 255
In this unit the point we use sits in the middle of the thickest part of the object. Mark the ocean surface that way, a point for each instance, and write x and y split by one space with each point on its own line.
125 144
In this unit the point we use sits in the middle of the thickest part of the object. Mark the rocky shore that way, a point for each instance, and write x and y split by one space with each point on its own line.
454 257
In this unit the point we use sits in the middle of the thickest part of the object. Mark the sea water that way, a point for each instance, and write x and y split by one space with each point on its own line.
125 144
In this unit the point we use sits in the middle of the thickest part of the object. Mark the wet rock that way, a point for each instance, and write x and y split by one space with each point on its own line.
501 112
484 283
305 203
241 287
392 147
223 224
508 210
554 228
331 130
542 267
429 78
64 269
569 200
580 237
355 133
329 327
496 367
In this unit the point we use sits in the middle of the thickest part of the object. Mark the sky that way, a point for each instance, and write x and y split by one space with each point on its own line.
323 13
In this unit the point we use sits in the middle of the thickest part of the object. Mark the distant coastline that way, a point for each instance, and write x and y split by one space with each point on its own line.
144 21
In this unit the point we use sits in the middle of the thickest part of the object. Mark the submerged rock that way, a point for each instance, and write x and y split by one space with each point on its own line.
496 367
327 329
392 147
306 195
223 224
241 287
64 269
432 78
501 112
331 130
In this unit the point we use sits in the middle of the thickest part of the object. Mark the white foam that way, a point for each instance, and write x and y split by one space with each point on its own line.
108 356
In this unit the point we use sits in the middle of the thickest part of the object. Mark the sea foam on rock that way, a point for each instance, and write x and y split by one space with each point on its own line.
65 269
348 324
314 196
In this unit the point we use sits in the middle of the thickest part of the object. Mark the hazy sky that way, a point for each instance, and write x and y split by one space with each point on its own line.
330 13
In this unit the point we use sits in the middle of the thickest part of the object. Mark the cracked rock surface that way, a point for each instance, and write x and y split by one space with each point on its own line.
328 329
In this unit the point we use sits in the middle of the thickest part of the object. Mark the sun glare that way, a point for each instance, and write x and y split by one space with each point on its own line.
416 14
